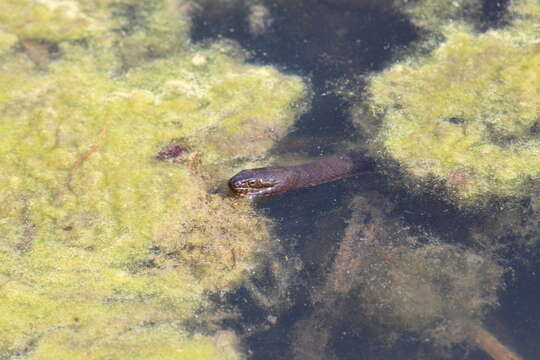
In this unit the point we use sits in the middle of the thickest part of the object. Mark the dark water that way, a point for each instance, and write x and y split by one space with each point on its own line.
333 42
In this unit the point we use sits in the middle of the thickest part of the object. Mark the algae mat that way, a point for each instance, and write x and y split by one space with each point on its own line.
107 248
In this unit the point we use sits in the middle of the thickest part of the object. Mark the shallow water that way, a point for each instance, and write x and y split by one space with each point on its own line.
303 39
122 119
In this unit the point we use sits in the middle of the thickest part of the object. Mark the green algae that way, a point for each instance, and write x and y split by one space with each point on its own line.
107 251
525 16
466 114
6 41
138 29
430 14
46 19
150 29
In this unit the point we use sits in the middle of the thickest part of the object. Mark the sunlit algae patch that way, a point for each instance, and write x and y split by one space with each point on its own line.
429 14
110 238
466 115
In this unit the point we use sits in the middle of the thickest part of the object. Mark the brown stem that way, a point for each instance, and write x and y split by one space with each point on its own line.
78 163
489 343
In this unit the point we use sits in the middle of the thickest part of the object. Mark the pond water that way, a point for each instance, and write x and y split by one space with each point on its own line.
121 121
335 44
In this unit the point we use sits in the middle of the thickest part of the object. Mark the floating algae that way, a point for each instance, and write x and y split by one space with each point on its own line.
49 20
429 14
466 115
6 41
107 251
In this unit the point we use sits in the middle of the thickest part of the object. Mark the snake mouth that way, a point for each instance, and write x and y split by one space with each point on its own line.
239 189
245 192
248 190
250 183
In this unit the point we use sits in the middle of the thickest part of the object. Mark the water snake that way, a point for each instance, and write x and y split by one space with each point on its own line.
267 181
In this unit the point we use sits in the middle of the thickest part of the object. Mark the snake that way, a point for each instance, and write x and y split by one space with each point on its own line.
267 181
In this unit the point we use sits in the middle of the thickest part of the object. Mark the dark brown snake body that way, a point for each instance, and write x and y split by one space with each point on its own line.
275 180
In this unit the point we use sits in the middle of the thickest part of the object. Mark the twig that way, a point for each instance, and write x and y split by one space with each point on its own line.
489 343
80 161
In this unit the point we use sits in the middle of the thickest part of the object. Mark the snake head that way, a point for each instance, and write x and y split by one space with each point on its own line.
259 182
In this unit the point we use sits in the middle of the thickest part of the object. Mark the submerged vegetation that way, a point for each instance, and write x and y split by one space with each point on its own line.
393 282
107 249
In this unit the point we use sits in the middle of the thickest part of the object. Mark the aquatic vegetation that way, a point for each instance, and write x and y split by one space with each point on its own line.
393 282
48 20
465 115
525 18
526 8
512 229
105 250
6 41
140 30
430 14
259 19
414 287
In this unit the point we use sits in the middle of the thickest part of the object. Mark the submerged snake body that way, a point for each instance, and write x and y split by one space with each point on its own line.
275 180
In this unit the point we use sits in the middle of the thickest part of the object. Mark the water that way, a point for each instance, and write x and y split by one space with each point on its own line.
336 43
